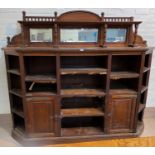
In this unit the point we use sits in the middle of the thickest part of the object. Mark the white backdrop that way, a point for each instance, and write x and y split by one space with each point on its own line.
10 27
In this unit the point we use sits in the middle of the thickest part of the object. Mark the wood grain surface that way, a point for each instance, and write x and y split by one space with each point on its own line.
132 142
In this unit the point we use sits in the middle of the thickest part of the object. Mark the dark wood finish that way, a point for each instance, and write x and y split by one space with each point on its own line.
41 116
66 92
81 112
122 113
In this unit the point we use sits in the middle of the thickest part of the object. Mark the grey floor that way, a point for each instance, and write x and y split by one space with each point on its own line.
7 140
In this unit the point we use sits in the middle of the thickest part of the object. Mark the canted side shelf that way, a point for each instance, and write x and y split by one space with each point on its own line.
16 92
14 71
141 107
146 69
144 88
18 112
80 112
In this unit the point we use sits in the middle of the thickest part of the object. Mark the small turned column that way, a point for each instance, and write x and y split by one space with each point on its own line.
101 31
135 34
104 36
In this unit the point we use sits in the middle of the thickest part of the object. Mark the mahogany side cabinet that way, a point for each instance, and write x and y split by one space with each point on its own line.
77 77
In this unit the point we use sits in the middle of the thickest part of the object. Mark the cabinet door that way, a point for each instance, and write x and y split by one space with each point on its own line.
122 114
41 113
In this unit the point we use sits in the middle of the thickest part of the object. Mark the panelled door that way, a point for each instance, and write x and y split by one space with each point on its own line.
121 114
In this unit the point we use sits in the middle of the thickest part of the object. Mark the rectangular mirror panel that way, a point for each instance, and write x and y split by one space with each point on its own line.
79 35
40 35
116 35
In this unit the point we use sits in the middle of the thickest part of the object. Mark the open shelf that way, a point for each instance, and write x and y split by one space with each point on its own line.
81 131
15 82
13 64
40 78
40 65
123 75
16 92
83 81
83 62
124 85
82 126
18 112
147 60
143 89
82 102
146 69
141 107
40 87
82 92
17 105
126 63
14 71
80 112
19 123
90 71
123 91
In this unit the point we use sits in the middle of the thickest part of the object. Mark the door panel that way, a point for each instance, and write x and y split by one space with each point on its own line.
41 116
122 114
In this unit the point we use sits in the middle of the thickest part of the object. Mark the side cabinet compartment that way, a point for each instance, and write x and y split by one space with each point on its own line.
41 116
122 114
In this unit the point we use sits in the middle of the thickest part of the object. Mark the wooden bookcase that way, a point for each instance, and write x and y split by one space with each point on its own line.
77 91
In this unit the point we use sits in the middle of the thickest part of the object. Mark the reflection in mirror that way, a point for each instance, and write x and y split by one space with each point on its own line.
40 35
79 35
116 35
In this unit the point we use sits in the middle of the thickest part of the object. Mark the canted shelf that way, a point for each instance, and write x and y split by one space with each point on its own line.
40 78
141 107
81 131
90 71
80 112
13 71
146 69
123 75
143 88
82 92
16 92
18 112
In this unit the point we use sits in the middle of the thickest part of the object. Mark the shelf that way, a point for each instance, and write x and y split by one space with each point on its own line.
122 92
16 92
143 88
90 71
81 131
141 107
123 75
82 92
40 78
146 69
14 71
20 129
80 112
19 113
